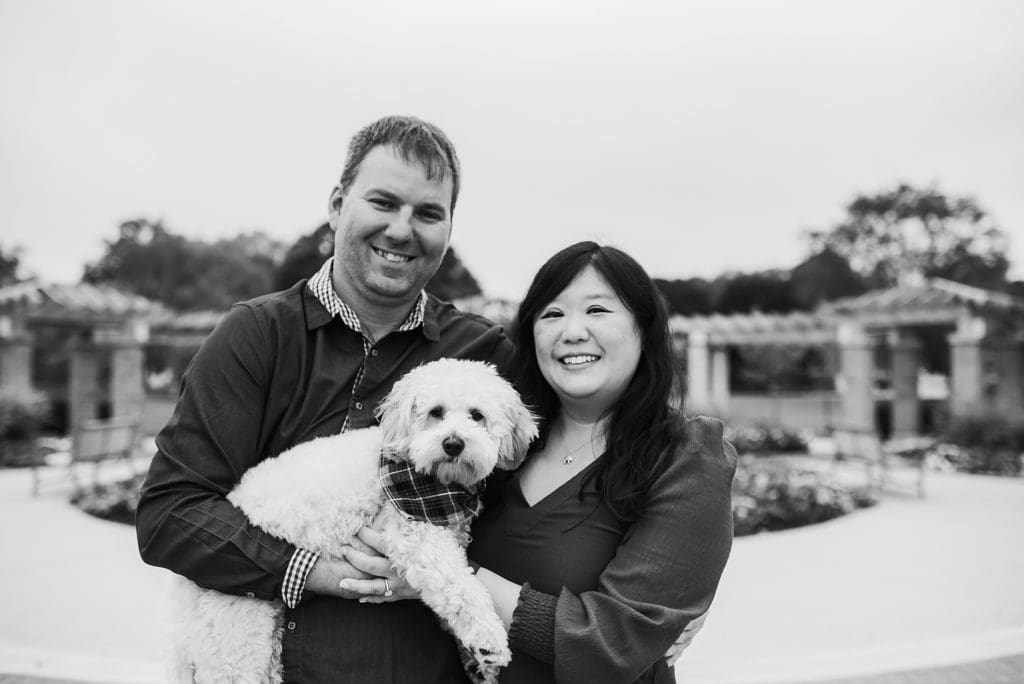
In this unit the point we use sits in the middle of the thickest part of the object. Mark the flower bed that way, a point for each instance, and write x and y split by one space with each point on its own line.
985 445
769 496
21 416
762 438
114 501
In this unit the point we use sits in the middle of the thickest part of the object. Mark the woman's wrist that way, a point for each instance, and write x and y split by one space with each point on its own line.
504 594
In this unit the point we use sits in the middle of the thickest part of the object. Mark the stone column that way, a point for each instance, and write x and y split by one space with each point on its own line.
123 344
127 392
16 363
720 378
856 374
84 391
967 368
698 367
1003 377
906 407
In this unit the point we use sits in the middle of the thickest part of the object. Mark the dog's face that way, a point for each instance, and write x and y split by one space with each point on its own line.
456 420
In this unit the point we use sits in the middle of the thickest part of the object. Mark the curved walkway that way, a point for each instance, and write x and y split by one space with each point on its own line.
907 585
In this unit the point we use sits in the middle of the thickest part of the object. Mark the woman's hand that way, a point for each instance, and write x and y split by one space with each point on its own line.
385 585
684 640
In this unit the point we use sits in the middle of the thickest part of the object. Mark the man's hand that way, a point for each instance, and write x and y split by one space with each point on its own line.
326 575
684 640
384 585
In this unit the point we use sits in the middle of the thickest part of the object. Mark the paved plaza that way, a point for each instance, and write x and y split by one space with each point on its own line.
906 592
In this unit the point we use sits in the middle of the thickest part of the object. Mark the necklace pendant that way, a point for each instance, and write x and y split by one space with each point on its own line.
568 459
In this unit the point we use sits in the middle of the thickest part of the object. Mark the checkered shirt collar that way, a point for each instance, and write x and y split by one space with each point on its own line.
427 499
322 288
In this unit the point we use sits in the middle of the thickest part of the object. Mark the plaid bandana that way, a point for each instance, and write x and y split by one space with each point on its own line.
426 499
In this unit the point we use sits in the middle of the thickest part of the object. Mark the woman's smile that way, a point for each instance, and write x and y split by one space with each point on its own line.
579 360
588 344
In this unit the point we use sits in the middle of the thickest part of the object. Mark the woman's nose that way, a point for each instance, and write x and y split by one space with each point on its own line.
575 329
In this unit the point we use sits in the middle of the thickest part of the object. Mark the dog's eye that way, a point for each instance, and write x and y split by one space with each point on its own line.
476 415
437 412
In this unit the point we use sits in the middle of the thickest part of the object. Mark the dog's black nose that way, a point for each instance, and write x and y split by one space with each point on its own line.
453 446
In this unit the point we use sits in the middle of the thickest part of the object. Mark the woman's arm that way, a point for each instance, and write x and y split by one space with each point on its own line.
663 576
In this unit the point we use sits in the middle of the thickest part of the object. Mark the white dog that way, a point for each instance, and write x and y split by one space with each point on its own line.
450 420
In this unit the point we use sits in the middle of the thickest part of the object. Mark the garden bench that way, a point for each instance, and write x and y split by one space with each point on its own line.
97 441
879 459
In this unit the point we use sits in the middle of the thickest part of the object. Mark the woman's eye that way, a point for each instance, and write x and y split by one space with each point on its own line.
597 309
437 412
551 314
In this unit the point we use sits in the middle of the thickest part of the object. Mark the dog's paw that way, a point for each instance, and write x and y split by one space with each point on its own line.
483 666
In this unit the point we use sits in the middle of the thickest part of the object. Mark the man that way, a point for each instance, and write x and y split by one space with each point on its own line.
311 361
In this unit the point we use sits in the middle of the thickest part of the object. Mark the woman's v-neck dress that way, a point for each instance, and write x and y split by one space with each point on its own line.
606 594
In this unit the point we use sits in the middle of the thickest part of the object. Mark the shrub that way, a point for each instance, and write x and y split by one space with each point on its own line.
21 415
771 496
766 496
115 501
984 444
763 438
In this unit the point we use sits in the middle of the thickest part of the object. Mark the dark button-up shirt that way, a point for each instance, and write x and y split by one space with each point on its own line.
280 370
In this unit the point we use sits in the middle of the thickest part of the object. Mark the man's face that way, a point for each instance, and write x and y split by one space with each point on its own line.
391 230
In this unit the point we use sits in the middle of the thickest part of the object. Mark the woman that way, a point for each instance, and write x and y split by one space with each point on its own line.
613 535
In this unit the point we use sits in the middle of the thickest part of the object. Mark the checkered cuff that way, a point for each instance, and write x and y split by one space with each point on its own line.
295 577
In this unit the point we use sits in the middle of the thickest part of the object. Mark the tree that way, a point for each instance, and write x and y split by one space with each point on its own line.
1016 288
9 262
823 277
305 256
764 291
186 274
452 280
912 230
690 297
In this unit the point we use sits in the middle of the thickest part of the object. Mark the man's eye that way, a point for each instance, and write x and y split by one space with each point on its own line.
430 216
437 412
381 203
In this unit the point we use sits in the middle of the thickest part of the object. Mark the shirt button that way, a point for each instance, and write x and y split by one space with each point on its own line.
359 406
291 626
250 594
373 352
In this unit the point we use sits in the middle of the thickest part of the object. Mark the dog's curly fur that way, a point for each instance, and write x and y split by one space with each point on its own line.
318 494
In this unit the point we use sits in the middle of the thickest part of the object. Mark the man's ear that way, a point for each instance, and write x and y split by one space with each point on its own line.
334 205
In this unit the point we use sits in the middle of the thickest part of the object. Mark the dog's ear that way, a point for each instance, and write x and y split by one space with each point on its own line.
522 430
397 413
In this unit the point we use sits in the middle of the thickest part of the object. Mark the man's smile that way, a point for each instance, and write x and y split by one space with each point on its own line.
391 256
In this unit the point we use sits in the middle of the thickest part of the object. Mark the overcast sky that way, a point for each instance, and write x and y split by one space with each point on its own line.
700 137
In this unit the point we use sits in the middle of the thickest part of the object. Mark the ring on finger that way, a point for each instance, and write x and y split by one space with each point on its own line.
387 587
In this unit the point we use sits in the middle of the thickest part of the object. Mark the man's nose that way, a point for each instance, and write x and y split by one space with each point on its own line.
400 228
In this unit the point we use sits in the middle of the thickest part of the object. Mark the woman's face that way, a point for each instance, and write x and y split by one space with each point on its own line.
588 344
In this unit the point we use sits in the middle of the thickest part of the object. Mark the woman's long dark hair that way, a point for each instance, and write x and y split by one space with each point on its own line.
642 430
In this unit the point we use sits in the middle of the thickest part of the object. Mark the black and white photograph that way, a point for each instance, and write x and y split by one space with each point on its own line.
396 342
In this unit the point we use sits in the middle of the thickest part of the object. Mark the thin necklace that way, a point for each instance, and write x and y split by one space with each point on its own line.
571 456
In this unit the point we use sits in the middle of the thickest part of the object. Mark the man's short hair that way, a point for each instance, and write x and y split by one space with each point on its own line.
414 139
